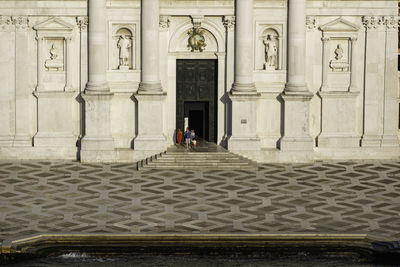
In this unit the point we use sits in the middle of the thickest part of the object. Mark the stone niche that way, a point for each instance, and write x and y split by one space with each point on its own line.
122 47
339 92
268 47
55 91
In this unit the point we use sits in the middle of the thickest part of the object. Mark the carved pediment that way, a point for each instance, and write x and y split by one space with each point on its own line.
54 24
339 25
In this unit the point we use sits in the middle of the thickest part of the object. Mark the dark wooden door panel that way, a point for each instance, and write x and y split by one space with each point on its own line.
196 81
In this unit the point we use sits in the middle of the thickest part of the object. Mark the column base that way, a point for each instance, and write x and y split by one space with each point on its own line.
334 141
54 140
97 149
22 140
244 144
150 121
371 141
150 143
6 140
244 122
296 119
390 141
298 143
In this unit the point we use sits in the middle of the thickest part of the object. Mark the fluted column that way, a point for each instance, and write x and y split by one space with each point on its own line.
244 55
150 81
296 46
98 143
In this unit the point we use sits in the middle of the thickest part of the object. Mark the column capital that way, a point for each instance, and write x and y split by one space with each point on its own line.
311 22
164 22
82 22
20 22
5 23
229 21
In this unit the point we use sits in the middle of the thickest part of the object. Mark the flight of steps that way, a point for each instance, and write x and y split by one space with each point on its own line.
198 161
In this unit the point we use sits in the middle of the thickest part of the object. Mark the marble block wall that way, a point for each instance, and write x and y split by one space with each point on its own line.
350 65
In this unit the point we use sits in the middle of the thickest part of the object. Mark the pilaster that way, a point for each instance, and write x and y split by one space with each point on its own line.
391 112
23 89
374 87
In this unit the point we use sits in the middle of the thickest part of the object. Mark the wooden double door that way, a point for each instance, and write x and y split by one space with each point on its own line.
196 96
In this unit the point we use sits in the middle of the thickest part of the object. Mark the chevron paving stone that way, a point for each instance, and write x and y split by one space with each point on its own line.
323 197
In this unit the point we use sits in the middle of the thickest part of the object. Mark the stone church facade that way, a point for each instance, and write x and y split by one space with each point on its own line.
273 80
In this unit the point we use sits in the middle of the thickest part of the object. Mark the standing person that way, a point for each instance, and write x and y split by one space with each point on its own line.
188 137
193 135
179 136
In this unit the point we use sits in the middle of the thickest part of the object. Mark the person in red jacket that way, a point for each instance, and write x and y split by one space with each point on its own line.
179 136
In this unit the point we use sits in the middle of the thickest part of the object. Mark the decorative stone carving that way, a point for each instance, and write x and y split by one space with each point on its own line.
271 52
124 46
311 22
20 22
82 22
372 22
229 21
196 39
164 22
391 22
5 23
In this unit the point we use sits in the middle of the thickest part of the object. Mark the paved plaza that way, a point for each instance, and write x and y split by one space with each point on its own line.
323 197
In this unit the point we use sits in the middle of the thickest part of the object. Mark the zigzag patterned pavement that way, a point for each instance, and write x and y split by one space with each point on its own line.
324 197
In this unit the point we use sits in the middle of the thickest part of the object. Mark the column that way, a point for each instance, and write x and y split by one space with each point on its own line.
23 87
325 63
374 81
7 79
150 95
391 111
97 144
244 49
243 95
296 95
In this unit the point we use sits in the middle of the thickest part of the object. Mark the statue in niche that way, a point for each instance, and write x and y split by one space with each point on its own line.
271 53
123 44
54 63
196 39
338 52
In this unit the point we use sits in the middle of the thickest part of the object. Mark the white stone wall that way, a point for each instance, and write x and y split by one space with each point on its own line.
352 115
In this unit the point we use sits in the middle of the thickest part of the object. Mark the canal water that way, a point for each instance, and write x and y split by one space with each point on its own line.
86 260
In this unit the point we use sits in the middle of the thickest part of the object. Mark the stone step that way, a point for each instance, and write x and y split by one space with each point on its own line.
195 160
196 167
